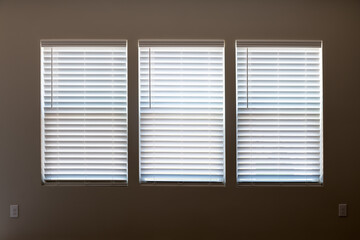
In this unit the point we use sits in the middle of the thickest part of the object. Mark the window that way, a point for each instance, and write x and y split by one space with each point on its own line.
84 111
279 111
181 111
181 123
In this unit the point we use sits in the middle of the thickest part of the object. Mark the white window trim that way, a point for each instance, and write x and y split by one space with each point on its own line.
182 43
284 43
81 43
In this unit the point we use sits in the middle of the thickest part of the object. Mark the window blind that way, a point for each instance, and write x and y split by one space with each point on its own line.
181 111
84 111
279 111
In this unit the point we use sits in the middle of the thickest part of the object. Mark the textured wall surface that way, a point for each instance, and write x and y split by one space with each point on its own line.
154 212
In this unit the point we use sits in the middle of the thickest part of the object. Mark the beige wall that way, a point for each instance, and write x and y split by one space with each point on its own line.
151 212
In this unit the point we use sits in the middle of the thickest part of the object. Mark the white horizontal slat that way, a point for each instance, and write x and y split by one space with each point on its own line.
84 111
85 155
181 112
279 101
190 161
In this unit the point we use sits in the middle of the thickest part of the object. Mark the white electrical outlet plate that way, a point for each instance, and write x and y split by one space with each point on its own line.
342 210
14 211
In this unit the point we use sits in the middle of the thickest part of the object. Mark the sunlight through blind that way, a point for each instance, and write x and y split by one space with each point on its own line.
181 111
84 111
279 111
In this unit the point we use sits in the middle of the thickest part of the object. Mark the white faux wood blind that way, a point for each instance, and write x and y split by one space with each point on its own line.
84 111
279 111
181 111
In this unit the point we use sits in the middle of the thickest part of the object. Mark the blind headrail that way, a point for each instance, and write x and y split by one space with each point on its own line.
279 43
79 43
181 43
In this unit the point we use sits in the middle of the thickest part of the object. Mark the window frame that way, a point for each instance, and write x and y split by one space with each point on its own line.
289 44
175 43
82 43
